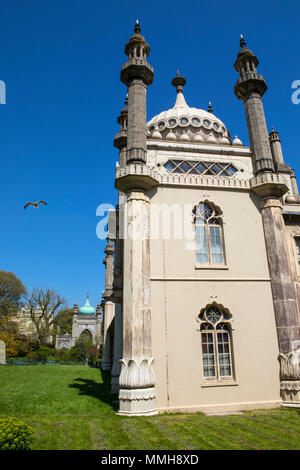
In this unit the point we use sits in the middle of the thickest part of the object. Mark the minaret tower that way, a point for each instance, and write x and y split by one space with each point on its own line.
137 379
137 75
250 88
270 187
120 140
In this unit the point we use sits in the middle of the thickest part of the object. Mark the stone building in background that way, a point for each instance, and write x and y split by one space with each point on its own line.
86 321
201 302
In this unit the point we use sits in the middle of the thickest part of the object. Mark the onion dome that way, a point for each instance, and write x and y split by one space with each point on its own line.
87 309
185 123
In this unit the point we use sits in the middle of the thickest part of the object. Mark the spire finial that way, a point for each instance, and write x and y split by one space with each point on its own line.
178 82
242 42
210 109
137 28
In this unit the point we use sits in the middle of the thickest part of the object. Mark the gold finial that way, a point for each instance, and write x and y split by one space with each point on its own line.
242 42
137 28
210 109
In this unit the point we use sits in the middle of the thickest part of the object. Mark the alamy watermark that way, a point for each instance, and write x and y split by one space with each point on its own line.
2 92
156 222
296 94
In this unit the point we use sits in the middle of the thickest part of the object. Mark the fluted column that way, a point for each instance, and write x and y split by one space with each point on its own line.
108 310
118 339
137 380
108 314
270 188
284 300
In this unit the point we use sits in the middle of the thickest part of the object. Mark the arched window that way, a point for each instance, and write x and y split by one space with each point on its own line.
216 341
209 234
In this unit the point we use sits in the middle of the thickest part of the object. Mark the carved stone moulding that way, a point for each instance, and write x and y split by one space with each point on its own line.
137 392
128 182
268 185
290 391
137 402
290 366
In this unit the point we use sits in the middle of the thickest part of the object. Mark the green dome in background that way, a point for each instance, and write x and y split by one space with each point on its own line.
87 309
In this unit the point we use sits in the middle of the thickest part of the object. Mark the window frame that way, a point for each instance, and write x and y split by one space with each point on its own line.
207 326
217 215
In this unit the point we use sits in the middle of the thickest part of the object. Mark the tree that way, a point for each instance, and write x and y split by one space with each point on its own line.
16 343
8 334
12 293
82 347
42 305
64 320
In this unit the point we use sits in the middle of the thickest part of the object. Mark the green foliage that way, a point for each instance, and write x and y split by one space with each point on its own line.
43 305
63 354
63 320
42 354
93 355
82 347
15 435
12 293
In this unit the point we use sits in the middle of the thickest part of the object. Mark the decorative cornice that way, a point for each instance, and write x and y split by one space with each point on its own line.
153 178
201 148
268 185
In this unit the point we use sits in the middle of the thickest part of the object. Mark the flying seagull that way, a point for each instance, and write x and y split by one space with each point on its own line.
35 204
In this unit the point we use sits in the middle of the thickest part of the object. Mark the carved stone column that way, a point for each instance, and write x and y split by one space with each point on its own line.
106 361
137 380
118 340
284 299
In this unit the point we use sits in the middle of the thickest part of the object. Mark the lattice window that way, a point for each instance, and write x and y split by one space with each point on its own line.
216 344
209 234
200 168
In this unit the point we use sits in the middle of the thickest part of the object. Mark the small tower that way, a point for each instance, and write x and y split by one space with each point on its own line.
250 88
120 140
137 75
270 188
137 379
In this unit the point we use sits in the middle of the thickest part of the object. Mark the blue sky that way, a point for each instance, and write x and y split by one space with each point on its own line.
61 64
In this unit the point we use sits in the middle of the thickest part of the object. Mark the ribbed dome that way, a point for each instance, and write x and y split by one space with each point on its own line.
182 118
87 309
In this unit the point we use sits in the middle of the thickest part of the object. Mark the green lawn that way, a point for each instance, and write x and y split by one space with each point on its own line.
70 407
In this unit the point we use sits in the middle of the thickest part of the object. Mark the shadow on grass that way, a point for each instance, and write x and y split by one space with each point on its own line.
94 389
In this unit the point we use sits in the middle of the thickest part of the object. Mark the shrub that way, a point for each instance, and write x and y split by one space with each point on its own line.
42 354
93 355
62 354
15 435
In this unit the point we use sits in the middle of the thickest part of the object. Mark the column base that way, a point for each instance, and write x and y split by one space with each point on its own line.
290 392
137 402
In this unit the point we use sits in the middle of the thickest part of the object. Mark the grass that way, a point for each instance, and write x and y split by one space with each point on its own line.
70 407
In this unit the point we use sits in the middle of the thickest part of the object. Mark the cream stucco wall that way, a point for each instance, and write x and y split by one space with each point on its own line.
179 291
